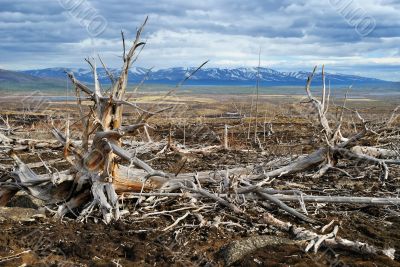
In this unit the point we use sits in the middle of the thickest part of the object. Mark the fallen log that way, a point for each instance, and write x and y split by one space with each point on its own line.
335 146
378 201
330 240
375 201
375 152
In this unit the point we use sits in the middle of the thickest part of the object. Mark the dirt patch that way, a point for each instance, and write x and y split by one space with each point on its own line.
136 241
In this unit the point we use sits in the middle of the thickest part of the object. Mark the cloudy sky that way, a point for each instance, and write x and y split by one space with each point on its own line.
349 36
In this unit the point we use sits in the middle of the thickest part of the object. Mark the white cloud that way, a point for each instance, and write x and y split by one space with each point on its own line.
293 35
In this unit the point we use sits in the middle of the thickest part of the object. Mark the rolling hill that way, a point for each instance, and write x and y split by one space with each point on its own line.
19 81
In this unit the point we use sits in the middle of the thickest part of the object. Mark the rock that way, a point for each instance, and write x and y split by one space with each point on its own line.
18 214
23 200
240 248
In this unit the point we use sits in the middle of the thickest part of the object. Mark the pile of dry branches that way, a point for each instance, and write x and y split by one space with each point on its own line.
105 174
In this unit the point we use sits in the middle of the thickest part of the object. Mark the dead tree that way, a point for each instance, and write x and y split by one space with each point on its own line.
335 145
96 173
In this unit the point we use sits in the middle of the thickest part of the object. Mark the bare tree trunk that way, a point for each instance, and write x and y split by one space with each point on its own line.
226 146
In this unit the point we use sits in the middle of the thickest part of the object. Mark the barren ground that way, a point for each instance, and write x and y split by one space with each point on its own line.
136 241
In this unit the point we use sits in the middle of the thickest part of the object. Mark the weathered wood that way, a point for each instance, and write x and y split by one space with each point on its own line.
375 152
4 139
301 164
341 199
336 242
226 146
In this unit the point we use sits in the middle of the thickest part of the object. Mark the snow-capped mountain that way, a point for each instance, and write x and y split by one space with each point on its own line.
207 76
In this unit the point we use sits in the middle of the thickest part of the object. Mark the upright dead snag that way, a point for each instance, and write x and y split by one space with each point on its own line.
95 171
100 163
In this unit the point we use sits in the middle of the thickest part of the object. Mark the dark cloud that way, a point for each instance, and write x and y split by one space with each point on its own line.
292 33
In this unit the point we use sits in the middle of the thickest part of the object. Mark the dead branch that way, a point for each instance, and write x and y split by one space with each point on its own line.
332 241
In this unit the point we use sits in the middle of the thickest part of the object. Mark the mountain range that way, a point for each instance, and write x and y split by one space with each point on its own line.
56 77
207 76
